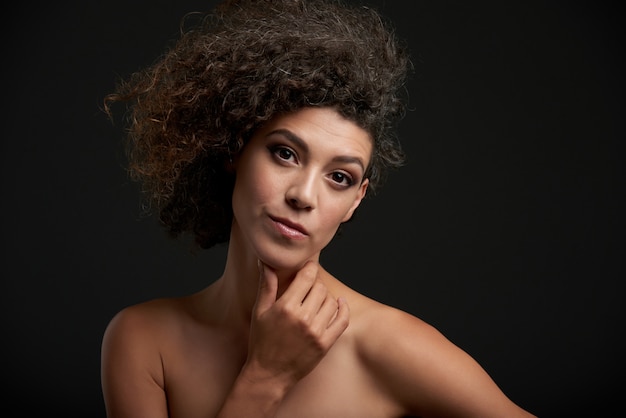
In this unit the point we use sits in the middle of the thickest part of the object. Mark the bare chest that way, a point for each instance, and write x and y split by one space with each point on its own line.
200 375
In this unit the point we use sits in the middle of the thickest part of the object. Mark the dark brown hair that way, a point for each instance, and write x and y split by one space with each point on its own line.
245 62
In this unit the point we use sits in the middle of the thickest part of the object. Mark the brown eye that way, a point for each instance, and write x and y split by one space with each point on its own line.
284 153
341 178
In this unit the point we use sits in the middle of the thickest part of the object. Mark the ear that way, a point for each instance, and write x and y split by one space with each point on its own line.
357 201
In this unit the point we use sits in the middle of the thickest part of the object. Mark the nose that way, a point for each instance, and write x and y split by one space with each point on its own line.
302 191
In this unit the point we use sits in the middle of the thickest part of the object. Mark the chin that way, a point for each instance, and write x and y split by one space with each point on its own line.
280 264
284 260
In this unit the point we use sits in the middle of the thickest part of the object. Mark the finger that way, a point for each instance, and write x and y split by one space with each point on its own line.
302 283
339 324
268 288
315 299
327 312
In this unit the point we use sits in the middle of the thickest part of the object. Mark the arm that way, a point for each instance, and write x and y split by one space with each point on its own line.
132 374
289 336
428 375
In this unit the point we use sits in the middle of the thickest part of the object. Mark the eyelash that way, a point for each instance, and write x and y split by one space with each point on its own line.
276 151
347 177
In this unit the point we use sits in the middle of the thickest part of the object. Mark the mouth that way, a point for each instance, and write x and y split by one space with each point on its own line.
289 228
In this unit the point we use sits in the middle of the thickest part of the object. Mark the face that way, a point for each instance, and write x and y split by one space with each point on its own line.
299 177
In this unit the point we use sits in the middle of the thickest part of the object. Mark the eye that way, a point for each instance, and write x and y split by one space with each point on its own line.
342 178
283 153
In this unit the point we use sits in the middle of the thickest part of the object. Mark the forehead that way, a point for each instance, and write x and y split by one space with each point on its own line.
322 127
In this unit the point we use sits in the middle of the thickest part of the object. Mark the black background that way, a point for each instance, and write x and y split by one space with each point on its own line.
505 230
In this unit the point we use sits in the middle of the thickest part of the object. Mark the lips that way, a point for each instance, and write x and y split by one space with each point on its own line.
289 228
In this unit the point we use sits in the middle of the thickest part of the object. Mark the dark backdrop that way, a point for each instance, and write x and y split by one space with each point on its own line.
505 230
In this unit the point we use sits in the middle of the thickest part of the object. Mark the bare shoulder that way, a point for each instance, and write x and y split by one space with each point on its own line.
143 332
135 333
421 369
136 321
384 333
133 379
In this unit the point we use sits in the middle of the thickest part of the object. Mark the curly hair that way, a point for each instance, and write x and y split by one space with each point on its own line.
248 60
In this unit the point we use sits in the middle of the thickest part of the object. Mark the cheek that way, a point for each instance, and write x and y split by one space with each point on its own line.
333 214
331 218
253 186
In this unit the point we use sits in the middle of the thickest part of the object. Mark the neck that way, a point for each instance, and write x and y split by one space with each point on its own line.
240 280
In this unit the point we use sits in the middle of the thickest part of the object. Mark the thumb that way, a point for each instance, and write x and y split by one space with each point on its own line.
268 288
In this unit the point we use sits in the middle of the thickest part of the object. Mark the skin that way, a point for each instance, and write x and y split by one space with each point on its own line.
277 335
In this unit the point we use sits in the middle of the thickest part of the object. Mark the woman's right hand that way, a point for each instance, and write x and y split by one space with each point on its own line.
290 334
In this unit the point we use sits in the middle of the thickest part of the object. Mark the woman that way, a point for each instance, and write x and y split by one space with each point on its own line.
264 127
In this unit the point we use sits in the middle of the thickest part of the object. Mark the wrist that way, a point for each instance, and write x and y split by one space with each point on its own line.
256 392
266 382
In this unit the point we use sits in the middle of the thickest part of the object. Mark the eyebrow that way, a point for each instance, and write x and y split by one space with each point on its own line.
299 142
